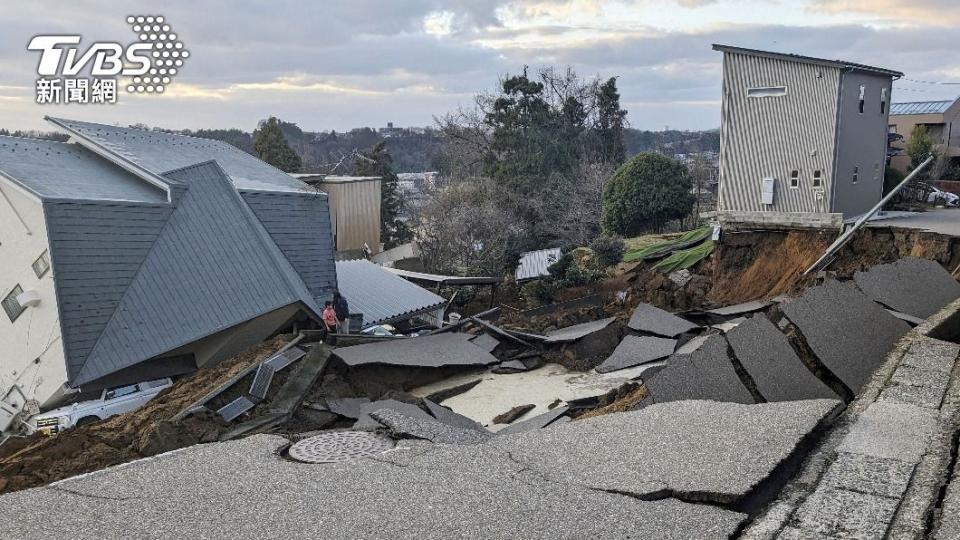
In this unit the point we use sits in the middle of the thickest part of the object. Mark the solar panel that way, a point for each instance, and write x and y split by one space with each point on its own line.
284 359
235 408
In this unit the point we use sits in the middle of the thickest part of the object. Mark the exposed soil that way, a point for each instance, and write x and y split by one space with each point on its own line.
39 460
622 399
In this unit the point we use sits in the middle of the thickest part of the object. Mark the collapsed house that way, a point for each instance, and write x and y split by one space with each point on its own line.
803 140
130 255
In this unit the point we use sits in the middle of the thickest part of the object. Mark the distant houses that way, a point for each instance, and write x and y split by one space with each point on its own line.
941 120
803 140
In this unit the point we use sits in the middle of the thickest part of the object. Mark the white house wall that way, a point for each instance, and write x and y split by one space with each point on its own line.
31 351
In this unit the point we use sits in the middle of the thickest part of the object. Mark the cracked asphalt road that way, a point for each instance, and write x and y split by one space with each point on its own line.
510 487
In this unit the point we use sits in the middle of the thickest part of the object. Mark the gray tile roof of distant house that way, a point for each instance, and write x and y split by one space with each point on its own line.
534 264
920 107
158 152
135 280
381 295
450 349
55 170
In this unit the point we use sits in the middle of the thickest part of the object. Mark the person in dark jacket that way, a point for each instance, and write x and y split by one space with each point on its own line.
342 309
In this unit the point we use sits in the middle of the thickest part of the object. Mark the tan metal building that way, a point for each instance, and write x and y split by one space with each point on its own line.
354 209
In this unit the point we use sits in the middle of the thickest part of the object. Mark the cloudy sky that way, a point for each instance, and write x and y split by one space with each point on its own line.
337 64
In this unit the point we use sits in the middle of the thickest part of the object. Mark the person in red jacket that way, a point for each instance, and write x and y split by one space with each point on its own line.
329 316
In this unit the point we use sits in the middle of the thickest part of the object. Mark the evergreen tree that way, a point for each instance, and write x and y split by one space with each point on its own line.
645 193
610 123
378 162
271 146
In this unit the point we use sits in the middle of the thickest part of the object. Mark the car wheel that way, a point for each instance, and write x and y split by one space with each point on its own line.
87 420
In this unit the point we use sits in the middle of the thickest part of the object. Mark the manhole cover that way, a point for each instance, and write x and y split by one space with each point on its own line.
339 446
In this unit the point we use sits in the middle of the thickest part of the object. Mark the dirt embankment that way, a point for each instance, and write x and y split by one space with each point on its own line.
762 264
39 460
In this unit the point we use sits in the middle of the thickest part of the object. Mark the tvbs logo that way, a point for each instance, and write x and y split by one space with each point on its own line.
149 64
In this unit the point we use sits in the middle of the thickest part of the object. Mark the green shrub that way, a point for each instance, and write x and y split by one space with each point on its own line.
645 193
542 291
608 249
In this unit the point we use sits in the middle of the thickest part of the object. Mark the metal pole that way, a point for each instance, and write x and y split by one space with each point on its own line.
842 240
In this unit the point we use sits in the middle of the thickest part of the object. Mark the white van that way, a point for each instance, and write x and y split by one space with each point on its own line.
112 401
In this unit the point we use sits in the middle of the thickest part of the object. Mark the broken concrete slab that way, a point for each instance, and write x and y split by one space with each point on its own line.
727 326
348 407
425 491
634 350
366 422
892 431
647 318
773 365
402 425
445 415
449 349
537 422
511 366
918 287
849 333
486 342
692 344
707 373
704 450
740 309
577 331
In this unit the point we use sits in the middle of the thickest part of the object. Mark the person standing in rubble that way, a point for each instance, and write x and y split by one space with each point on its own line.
342 309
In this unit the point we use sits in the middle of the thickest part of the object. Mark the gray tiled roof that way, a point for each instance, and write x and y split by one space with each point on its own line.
136 281
55 170
920 107
381 295
160 152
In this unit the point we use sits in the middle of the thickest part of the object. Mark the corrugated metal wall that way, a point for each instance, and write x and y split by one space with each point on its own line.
771 136
355 213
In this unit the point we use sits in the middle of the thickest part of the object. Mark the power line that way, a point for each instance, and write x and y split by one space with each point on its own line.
930 82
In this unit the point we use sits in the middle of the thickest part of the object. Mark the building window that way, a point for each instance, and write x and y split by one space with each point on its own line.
856 174
41 265
767 91
11 305
817 179
863 93
883 101
892 129
794 179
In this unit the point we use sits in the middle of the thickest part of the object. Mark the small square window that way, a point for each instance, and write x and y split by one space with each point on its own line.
794 179
817 179
11 305
41 265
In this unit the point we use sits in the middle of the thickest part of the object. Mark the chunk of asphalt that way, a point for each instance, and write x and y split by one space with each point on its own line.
707 373
705 451
537 422
577 331
767 356
510 366
450 349
348 407
486 342
446 416
366 422
427 428
918 287
740 309
647 318
849 333
514 413
892 431
634 350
